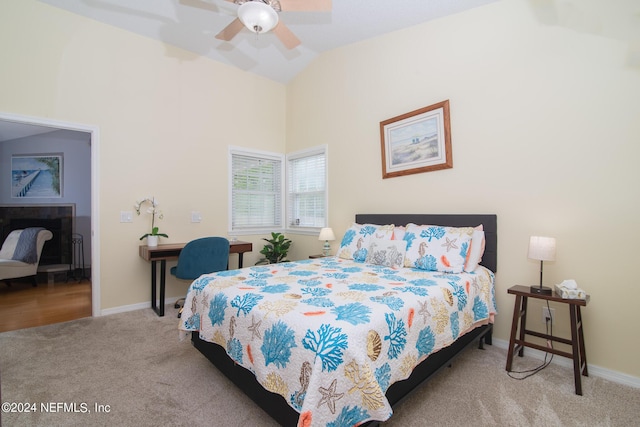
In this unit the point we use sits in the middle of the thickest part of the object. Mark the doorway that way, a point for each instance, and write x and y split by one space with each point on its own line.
36 126
24 306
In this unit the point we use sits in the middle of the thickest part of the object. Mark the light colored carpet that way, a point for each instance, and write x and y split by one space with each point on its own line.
134 363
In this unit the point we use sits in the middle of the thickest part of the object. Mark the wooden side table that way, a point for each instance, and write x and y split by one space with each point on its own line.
516 345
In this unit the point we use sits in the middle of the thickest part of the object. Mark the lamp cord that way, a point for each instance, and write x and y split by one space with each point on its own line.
545 362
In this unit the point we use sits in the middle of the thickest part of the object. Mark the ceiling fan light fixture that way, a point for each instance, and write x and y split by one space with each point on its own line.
257 16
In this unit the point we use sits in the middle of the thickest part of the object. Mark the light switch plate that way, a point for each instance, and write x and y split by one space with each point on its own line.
196 216
126 216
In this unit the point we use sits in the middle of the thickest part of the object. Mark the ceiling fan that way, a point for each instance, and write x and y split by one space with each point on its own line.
261 16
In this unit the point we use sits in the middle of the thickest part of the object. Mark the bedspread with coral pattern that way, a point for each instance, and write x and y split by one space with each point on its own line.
331 335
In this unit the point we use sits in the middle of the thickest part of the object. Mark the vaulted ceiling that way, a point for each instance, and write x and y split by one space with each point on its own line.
193 25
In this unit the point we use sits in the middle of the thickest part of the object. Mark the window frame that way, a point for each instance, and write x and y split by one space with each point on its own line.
308 152
264 155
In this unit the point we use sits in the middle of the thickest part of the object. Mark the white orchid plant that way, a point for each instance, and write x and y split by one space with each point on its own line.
154 211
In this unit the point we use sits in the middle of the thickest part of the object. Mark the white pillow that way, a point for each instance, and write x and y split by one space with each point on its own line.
437 248
474 256
398 232
389 253
356 240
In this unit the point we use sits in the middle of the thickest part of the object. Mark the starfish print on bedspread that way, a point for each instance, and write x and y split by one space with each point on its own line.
255 328
329 396
424 311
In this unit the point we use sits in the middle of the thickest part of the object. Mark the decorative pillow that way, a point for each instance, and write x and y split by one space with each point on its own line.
389 253
356 240
437 248
474 255
398 233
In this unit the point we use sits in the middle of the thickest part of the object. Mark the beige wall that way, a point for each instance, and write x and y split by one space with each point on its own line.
544 122
166 118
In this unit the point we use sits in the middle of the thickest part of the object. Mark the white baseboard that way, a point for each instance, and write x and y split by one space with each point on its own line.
596 371
125 308
132 307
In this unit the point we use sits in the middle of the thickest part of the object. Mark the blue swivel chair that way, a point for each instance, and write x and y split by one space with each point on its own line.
201 256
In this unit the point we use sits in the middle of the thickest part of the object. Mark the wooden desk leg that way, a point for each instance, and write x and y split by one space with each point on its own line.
575 345
514 328
583 353
240 260
523 324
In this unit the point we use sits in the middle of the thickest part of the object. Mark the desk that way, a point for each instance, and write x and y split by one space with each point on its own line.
576 342
171 251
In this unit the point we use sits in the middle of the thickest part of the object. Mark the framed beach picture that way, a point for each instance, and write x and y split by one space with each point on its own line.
36 176
418 141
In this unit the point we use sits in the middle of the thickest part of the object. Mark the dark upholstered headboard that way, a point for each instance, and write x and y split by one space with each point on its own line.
488 221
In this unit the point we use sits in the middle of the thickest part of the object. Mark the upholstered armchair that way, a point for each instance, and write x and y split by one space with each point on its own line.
20 253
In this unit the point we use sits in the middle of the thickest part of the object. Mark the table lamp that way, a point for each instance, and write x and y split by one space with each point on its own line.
326 234
542 249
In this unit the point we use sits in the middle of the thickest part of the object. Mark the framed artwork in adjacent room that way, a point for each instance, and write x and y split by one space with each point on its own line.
36 176
418 141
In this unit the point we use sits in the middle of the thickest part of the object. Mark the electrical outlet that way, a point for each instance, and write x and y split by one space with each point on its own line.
196 216
548 313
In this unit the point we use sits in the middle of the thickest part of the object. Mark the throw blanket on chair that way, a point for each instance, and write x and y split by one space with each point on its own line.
27 247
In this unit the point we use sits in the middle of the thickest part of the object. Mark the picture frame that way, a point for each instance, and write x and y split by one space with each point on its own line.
36 176
416 142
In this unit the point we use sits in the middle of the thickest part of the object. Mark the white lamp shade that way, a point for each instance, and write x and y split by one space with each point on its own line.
542 248
257 16
326 234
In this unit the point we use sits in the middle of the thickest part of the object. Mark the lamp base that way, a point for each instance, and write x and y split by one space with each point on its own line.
541 290
326 249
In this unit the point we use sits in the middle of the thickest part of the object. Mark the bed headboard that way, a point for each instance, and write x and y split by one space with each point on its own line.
488 221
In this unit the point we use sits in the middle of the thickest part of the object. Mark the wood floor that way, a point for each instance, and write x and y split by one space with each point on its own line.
23 306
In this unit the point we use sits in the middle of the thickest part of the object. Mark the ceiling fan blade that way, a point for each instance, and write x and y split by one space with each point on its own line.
305 5
286 36
200 4
230 31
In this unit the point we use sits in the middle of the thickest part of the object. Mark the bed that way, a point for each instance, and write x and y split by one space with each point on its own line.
341 340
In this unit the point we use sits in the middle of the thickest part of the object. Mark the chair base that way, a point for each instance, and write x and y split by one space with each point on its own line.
180 306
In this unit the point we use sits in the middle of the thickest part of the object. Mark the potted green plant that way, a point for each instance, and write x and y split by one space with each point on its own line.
152 238
275 250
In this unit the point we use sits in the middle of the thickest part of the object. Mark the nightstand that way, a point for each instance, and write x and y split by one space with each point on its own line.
576 342
318 256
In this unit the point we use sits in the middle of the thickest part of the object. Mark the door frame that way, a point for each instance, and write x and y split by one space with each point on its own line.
94 131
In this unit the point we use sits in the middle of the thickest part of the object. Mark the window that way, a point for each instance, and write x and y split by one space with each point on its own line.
256 191
307 189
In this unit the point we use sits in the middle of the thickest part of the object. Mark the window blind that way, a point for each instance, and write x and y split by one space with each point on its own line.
306 205
256 192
